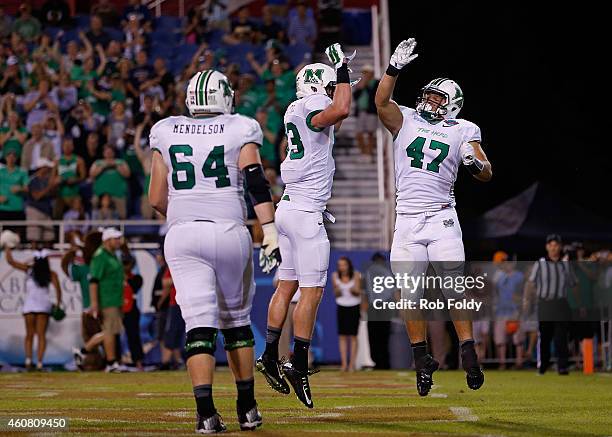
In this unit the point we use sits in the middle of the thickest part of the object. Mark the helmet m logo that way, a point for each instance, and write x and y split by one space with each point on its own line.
313 76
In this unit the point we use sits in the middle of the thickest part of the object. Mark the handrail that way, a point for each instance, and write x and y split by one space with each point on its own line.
348 206
380 156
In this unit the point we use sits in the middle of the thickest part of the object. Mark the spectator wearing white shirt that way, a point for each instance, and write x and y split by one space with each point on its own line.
36 148
348 291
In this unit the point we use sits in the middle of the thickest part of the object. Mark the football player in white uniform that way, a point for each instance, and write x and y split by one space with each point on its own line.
429 144
324 100
198 169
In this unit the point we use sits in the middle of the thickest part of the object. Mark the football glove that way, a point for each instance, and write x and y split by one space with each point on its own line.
269 255
402 55
336 55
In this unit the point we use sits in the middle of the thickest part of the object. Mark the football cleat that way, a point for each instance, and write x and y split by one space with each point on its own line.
424 372
473 372
250 420
272 371
210 425
299 381
474 377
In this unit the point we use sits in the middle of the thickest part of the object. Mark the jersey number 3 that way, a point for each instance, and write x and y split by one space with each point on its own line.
214 167
415 151
295 148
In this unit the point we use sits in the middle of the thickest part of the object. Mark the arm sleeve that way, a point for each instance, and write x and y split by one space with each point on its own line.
96 269
471 132
318 102
154 142
253 132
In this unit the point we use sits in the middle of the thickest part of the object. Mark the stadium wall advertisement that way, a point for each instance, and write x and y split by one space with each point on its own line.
63 336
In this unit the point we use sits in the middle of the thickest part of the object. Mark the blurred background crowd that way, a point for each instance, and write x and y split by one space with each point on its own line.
79 94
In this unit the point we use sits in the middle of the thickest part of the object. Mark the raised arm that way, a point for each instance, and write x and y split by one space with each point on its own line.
341 103
12 262
258 188
388 111
137 147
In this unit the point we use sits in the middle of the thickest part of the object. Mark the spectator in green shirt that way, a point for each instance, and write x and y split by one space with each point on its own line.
110 176
249 97
13 188
270 119
26 26
284 79
13 135
106 292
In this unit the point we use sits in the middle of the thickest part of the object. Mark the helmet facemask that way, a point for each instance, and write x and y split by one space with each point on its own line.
330 89
449 108
430 110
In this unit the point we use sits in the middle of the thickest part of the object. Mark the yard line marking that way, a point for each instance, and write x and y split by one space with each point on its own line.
184 413
438 395
324 415
464 414
47 394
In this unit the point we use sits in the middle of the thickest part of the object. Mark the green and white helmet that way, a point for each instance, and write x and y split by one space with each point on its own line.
450 90
209 92
314 79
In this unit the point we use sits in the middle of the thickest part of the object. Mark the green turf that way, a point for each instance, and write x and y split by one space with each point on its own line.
383 403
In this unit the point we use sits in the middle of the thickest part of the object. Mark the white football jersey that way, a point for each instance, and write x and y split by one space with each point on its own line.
204 181
426 161
308 170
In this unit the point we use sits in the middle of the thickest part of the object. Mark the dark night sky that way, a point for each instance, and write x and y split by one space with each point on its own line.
533 82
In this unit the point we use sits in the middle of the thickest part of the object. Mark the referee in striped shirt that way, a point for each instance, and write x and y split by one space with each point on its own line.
550 280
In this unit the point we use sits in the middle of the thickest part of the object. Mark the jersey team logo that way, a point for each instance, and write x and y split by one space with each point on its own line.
450 123
448 223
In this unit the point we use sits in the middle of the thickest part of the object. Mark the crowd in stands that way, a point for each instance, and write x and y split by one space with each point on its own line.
79 95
